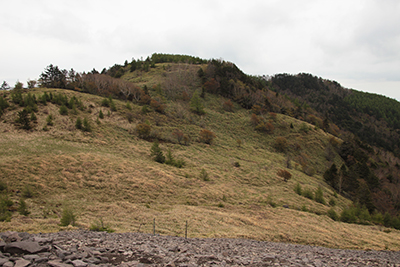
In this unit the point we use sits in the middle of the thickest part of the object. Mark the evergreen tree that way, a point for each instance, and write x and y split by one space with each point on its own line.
24 119
156 152
196 105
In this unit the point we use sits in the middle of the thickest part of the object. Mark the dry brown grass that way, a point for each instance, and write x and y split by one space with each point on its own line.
109 174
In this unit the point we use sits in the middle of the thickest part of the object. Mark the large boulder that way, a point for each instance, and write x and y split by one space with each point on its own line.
24 247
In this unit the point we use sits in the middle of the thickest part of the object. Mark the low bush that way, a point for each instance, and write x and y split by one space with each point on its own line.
308 194
22 207
284 174
319 196
333 215
99 226
204 175
298 189
68 217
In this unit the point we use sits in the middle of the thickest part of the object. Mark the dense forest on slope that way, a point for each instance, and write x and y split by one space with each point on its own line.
373 118
358 160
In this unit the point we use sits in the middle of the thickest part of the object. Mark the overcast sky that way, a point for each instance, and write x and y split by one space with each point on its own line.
356 42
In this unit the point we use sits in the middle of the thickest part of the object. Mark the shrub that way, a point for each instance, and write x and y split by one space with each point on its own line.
23 119
22 208
33 117
112 106
78 124
332 202
196 104
86 125
281 144
206 136
156 152
179 135
333 215
5 204
129 117
101 114
143 130
228 106
49 120
255 120
170 160
99 226
348 216
265 127
272 116
3 186
298 189
308 194
68 217
63 110
304 127
284 174
157 106
239 142
27 192
319 196
204 175
105 102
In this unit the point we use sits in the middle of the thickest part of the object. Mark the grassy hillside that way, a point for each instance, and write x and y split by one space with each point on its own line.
107 173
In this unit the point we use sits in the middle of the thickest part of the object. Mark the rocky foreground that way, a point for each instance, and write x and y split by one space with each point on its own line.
86 248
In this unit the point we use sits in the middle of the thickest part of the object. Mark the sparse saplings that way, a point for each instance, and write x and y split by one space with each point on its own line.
206 136
156 152
284 174
143 130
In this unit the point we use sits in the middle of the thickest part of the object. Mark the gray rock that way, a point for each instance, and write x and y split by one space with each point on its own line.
79 263
8 264
58 263
24 247
22 263
2 261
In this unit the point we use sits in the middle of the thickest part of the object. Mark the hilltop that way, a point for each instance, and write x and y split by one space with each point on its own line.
234 136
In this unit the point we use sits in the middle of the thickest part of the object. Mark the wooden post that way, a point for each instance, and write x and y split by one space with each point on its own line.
186 230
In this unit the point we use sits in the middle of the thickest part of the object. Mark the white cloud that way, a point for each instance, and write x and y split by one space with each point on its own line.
353 41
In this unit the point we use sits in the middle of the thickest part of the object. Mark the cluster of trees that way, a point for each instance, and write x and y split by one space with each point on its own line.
354 178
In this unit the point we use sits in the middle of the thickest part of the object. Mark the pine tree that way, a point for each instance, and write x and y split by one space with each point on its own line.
156 152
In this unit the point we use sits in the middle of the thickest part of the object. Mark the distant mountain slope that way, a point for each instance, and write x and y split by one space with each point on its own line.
375 119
